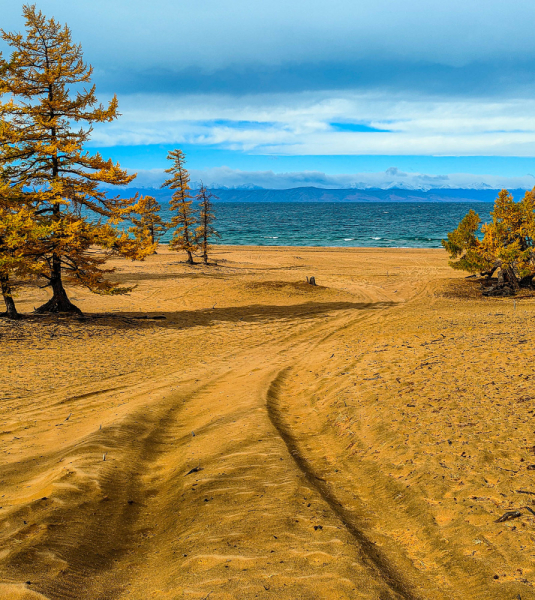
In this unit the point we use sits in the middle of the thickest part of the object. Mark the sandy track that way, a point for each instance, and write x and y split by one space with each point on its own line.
253 397
378 565
252 474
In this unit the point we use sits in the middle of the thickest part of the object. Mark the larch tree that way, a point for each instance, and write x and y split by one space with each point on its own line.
147 224
507 242
464 247
20 234
184 219
205 230
42 148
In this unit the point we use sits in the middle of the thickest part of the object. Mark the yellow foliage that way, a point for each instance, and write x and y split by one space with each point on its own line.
147 225
41 149
21 230
508 241
205 230
184 219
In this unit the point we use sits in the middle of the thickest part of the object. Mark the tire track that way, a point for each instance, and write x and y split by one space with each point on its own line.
91 524
372 557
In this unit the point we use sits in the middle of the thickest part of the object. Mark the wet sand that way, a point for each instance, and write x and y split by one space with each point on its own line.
268 438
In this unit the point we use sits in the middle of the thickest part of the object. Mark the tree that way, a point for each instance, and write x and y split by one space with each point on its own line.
22 230
147 225
183 220
508 241
17 233
206 217
464 246
40 148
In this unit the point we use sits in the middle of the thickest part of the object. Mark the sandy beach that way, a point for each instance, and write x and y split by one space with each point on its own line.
231 432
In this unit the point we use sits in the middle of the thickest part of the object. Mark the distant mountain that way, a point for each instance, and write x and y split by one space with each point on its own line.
313 194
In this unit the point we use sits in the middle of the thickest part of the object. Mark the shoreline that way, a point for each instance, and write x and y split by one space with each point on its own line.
238 247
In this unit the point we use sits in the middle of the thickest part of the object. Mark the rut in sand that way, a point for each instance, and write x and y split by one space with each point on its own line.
370 554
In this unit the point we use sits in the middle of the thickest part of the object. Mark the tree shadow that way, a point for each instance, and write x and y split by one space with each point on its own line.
256 313
211 272
130 277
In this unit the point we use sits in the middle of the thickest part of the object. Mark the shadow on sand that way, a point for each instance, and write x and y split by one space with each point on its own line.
256 313
50 326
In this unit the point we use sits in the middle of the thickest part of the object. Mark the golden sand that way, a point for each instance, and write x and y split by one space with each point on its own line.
268 438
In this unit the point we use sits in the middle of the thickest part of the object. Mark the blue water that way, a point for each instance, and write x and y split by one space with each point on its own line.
348 224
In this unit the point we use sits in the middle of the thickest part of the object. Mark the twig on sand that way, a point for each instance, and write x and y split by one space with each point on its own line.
510 470
510 514
194 470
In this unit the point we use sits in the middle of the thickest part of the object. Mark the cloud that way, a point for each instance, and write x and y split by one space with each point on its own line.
243 47
221 177
302 124
419 77
215 32
488 77
395 172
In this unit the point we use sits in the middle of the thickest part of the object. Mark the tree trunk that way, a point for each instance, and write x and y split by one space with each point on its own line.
511 278
59 303
11 309
190 258
152 237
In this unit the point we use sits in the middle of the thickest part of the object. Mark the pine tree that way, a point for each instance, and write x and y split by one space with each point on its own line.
183 221
41 149
206 217
147 225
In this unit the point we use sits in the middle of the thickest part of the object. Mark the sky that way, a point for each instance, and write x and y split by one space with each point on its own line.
337 93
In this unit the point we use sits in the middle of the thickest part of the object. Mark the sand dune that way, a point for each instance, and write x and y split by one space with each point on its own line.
268 438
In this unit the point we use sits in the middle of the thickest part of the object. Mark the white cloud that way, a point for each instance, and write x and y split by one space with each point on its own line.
298 124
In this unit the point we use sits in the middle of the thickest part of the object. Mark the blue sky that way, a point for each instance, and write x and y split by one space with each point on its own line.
337 93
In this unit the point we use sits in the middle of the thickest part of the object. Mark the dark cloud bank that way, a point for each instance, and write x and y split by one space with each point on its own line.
481 78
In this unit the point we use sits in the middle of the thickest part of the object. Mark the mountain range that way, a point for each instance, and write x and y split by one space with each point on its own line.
314 194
